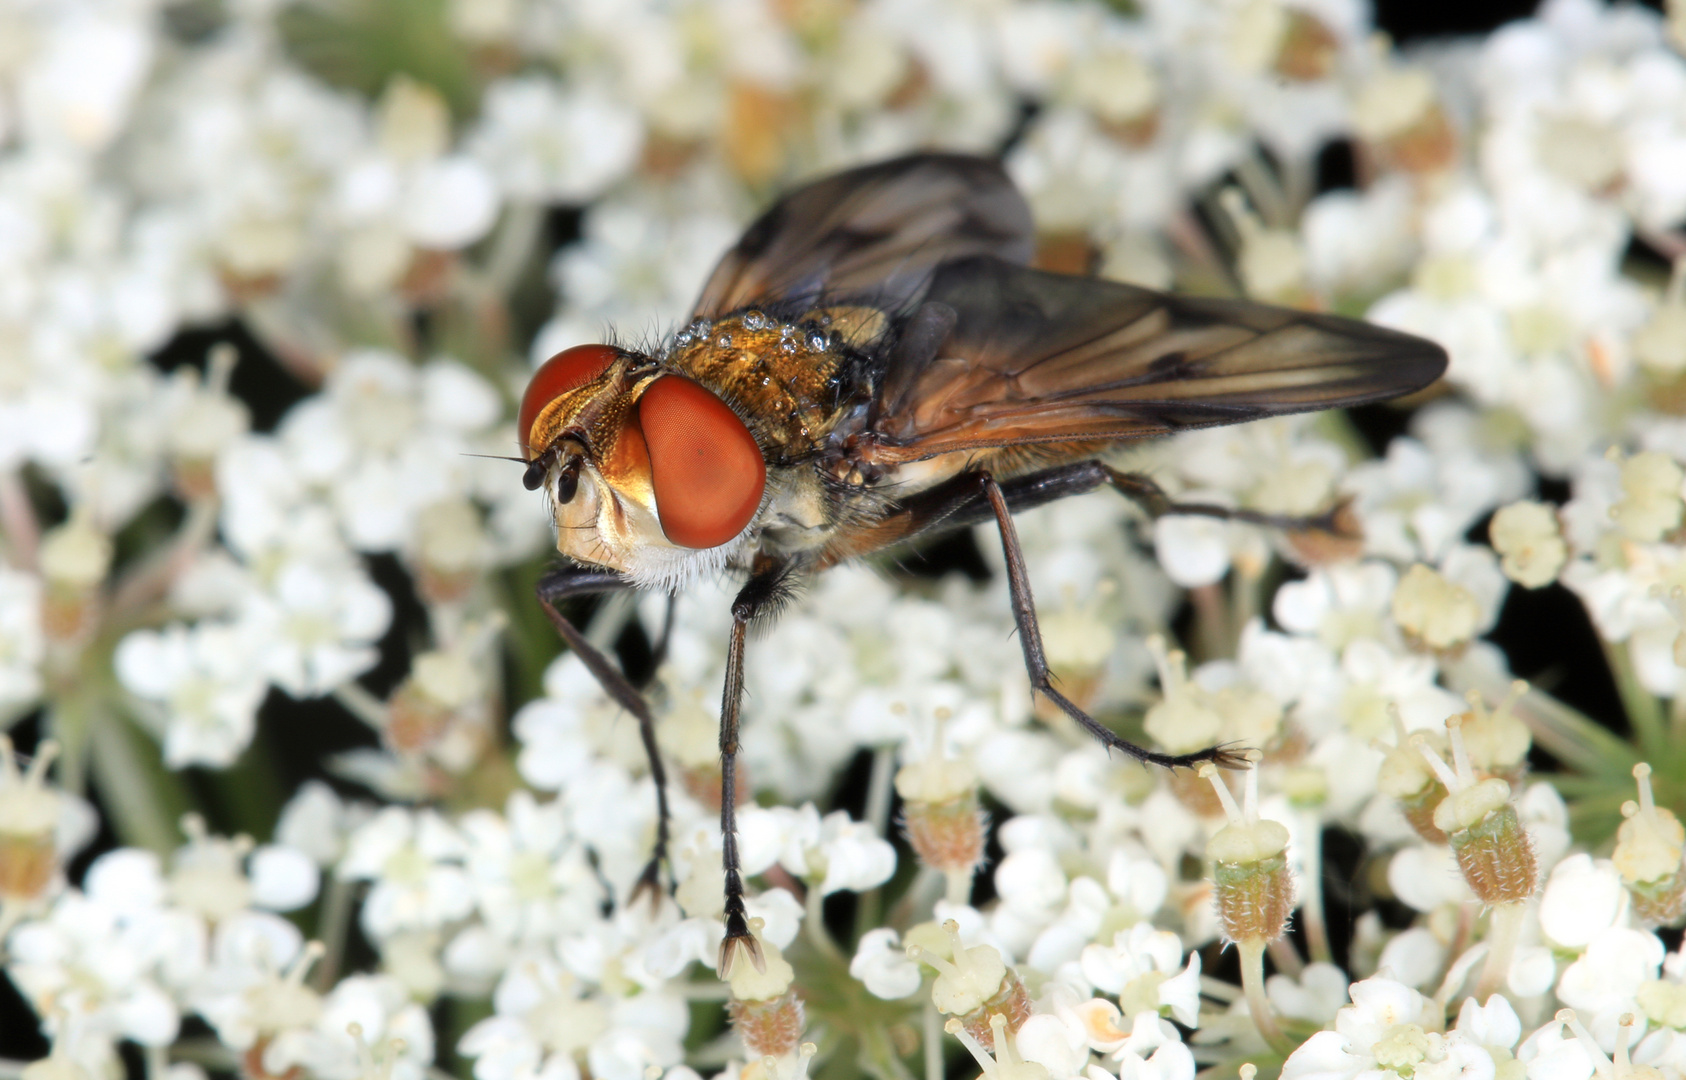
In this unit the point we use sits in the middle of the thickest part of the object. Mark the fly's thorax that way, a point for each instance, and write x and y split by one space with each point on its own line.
782 374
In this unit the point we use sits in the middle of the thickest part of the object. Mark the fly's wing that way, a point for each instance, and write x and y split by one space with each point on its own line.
1034 357
873 234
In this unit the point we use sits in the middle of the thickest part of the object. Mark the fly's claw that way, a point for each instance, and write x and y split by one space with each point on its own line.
1227 756
738 937
650 884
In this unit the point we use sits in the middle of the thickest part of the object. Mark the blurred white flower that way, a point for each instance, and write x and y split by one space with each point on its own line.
203 685
544 143
364 1017
413 859
531 880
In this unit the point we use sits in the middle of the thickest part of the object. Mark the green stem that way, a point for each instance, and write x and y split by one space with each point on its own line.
1258 1006
933 1041
1287 957
878 792
813 924
362 704
1571 736
331 929
1311 902
145 801
512 245
880 1057
207 1052
1644 711
1504 930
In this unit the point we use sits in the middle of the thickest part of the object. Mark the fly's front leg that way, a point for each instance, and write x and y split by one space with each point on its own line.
560 585
1036 662
766 587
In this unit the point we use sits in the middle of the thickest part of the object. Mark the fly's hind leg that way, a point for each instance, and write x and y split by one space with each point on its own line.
1036 662
560 585
1146 493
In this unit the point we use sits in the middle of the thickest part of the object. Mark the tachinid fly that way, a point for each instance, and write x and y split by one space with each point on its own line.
874 360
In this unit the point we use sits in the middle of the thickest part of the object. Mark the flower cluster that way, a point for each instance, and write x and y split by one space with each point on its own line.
385 213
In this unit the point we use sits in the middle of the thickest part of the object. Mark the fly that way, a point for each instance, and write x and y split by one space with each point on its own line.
873 361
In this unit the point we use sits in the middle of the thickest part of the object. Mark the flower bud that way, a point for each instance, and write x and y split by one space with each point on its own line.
1252 886
1407 777
1399 118
1650 507
202 420
75 558
1435 613
1649 846
941 817
765 1008
207 875
1272 262
1077 638
29 817
440 709
451 550
1184 721
1011 1004
1660 345
1493 849
967 977
1498 741
1530 543
771 1028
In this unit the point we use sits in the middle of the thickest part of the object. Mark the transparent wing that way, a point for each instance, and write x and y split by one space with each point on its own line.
873 234
1034 357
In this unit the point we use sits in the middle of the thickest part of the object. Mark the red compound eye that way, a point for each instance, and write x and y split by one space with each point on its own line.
706 470
565 371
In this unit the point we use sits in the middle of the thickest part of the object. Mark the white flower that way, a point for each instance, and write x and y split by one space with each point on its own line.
530 880
387 439
205 683
362 1013
80 84
413 859
882 965
316 624
1318 995
315 821
1603 983
107 959
548 1024
1583 897
542 143
254 985
844 854
1381 1011
1142 964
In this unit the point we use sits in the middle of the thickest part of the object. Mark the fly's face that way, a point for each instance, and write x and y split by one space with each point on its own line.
648 472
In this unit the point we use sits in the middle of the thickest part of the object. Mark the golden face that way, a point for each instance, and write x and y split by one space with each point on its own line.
649 473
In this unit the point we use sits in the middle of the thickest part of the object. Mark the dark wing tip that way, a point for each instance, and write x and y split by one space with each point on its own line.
1398 363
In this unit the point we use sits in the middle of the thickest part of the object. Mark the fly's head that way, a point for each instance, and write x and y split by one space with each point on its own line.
648 472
